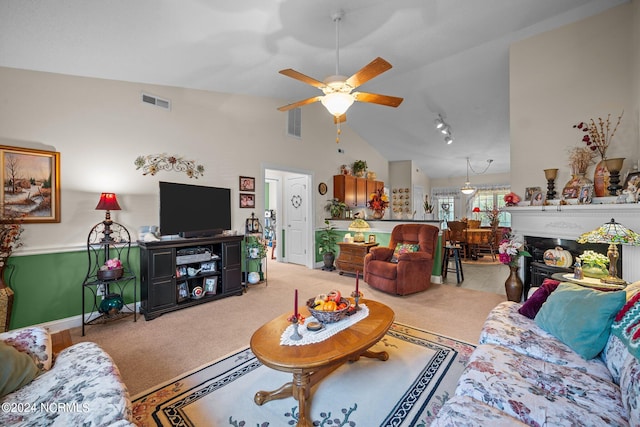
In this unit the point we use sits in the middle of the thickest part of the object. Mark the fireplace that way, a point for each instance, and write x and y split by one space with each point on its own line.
560 225
535 269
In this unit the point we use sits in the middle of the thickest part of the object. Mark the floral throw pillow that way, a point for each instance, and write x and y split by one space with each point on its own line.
403 248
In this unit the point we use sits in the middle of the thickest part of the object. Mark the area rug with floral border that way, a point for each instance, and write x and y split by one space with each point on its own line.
406 390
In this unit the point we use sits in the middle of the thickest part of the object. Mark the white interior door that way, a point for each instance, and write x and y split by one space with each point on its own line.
296 202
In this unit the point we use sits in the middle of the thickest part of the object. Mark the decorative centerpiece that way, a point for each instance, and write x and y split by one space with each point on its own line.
510 251
111 270
329 308
579 160
378 202
597 138
594 264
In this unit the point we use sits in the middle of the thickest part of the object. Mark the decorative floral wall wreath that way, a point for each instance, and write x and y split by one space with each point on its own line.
153 163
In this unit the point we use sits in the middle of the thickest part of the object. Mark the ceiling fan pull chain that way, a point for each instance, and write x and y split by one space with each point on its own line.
338 131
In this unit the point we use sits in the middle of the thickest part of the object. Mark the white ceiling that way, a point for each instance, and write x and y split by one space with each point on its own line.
449 57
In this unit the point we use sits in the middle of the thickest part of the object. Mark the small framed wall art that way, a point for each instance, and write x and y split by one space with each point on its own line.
247 200
247 183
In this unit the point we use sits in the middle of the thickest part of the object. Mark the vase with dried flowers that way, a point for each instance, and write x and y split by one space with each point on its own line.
378 202
580 158
597 138
10 231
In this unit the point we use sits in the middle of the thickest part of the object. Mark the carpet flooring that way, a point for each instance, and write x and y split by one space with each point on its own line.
406 390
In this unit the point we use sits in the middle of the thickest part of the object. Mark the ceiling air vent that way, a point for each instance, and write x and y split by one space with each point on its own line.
294 122
158 102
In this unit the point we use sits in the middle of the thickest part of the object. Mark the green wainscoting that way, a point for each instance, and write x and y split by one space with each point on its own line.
383 240
49 286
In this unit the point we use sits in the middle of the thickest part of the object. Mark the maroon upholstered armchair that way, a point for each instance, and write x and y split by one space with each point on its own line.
412 272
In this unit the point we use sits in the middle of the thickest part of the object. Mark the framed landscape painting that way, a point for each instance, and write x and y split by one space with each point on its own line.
30 184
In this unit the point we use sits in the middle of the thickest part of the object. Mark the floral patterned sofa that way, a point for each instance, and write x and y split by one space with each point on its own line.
82 386
521 374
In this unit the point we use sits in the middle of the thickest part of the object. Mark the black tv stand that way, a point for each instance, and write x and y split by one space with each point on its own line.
171 269
200 233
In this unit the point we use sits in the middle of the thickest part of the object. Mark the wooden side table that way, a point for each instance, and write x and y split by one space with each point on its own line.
351 257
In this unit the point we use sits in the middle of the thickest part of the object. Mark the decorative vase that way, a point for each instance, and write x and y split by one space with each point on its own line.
601 179
429 216
594 271
378 214
572 188
111 304
513 285
6 301
254 277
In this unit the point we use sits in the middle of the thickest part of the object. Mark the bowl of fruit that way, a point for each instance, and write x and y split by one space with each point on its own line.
329 308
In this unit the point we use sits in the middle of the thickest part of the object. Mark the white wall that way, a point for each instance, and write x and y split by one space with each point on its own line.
101 126
580 71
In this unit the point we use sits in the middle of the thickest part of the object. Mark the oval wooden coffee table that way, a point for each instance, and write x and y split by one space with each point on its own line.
310 363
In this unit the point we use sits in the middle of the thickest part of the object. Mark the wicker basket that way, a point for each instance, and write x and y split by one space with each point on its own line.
328 316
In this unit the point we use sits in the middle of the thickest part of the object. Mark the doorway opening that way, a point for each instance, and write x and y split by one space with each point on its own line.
288 195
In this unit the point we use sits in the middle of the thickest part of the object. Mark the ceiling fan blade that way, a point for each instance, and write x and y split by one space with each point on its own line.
302 77
300 103
340 119
369 71
374 98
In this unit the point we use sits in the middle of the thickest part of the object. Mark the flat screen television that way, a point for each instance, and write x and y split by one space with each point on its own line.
194 210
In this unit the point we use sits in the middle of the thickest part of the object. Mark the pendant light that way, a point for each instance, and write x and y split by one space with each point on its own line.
467 188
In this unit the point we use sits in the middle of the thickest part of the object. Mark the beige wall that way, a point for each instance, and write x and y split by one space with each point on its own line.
101 126
574 73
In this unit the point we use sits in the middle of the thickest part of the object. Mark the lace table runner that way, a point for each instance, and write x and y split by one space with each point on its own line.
327 331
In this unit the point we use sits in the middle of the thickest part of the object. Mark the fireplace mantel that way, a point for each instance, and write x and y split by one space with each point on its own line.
570 221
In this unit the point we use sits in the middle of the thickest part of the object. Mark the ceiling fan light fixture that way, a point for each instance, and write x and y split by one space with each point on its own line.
439 122
448 140
337 103
446 130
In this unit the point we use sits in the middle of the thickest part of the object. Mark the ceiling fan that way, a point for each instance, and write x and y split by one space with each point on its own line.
337 89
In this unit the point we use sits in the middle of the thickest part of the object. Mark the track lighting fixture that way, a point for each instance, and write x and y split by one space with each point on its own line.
444 128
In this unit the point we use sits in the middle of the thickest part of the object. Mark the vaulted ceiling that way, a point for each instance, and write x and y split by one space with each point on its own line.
449 57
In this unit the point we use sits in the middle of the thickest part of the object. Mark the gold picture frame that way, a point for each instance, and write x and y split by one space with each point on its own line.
30 184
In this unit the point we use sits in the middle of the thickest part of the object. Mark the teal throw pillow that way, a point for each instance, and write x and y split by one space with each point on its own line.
16 370
403 248
580 317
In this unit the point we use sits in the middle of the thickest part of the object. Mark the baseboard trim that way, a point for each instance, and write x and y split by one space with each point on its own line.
68 322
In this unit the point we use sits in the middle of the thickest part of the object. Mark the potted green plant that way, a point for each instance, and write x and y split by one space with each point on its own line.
335 208
359 167
256 249
327 245
594 264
